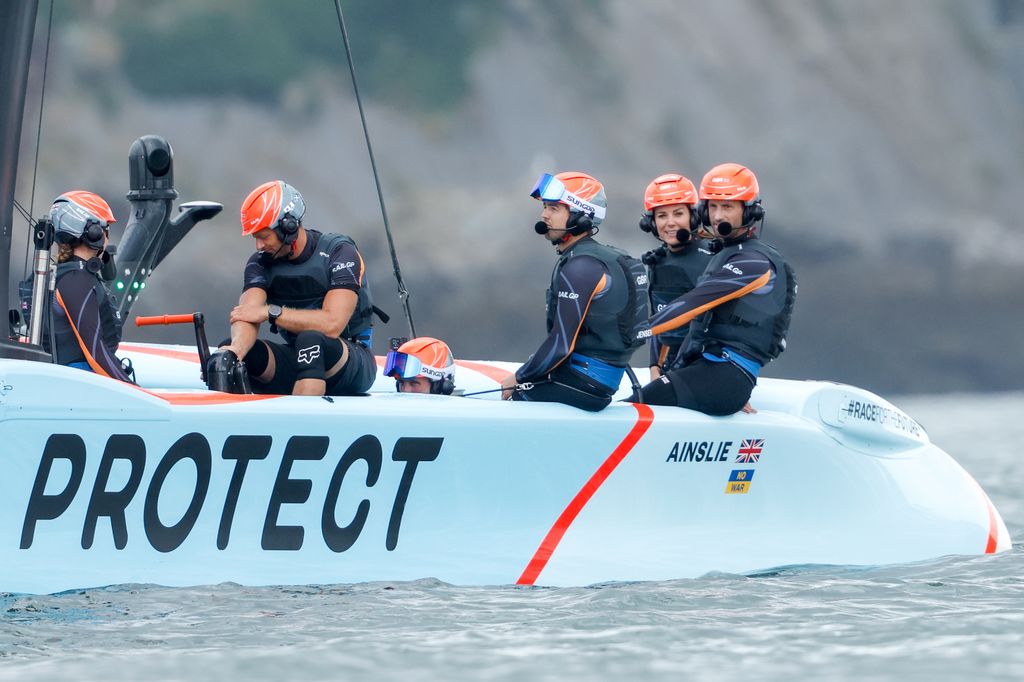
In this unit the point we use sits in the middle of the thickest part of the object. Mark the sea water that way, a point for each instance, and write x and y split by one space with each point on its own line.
949 618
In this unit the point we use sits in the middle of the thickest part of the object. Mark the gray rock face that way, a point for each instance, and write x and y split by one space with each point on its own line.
887 138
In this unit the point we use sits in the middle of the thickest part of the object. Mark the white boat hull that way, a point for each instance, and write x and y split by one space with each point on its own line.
106 483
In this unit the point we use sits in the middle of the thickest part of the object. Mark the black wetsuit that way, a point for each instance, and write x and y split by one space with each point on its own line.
86 325
594 310
327 262
718 376
673 274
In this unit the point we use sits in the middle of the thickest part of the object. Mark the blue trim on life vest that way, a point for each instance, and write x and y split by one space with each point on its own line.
81 364
607 375
751 367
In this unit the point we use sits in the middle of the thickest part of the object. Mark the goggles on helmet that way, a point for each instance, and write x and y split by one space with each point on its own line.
550 188
407 366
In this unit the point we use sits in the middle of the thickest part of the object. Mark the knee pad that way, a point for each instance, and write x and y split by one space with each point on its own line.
311 349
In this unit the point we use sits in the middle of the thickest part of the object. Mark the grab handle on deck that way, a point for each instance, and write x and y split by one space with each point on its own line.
167 319
195 319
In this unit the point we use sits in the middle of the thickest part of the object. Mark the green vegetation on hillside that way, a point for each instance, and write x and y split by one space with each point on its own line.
411 54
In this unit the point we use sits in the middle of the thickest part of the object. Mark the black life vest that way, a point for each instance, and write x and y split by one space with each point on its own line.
67 349
614 324
755 325
672 274
304 285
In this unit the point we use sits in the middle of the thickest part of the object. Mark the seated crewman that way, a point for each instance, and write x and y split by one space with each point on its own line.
422 365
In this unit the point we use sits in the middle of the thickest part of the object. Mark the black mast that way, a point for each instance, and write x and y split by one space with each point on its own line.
17 24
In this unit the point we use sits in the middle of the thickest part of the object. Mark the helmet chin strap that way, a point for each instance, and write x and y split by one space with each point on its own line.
289 245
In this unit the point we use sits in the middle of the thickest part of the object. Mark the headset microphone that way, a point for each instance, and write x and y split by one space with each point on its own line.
540 227
724 228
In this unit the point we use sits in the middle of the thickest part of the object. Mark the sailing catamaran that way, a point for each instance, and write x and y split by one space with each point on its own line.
169 483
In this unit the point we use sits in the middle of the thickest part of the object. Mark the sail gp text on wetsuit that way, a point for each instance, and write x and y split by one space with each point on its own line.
246 453
580 280
746 272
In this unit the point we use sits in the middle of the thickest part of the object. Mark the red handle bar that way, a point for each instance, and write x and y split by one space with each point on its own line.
188 318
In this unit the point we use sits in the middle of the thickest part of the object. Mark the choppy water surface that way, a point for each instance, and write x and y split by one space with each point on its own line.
956 618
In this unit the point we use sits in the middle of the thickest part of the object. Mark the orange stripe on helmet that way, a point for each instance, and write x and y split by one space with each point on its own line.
262 207
91 202
584 186
432 352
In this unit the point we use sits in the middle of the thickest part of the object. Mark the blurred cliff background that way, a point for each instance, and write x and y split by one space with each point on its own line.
888 139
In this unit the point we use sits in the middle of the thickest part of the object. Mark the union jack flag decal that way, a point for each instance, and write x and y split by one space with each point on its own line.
750 450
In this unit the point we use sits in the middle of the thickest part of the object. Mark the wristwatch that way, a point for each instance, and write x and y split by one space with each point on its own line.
273 312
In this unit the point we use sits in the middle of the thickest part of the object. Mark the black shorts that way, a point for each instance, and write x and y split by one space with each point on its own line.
568 386
355 378
715 388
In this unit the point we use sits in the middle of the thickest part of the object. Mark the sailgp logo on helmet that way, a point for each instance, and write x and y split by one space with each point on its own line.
550 188
584 206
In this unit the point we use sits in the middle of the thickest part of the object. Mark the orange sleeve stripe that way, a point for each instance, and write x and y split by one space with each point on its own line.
362 269
88 356
598 289
677 322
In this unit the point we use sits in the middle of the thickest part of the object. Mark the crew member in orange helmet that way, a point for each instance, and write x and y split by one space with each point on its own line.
596 307
86 323
422 365
311 288
739 312
676 265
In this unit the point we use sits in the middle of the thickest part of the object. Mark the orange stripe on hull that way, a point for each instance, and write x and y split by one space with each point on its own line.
161 352
547 547
209 398
993 524
490 371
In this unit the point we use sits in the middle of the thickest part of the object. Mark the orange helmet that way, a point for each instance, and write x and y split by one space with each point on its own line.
276 205
729 182
582 193
427 357
668 189
585 187
81 215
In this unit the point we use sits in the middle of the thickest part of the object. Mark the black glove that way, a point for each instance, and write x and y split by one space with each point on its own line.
226 373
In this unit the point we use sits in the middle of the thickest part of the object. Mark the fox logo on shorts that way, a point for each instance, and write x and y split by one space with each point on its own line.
308 355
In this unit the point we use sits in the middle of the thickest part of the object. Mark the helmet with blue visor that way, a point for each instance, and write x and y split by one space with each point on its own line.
423 357
583 194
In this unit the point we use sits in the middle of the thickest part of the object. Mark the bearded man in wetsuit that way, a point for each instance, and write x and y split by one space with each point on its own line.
596 305
86 323
311 288
740 310
676 265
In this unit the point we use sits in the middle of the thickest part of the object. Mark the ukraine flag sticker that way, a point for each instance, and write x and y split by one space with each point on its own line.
739 481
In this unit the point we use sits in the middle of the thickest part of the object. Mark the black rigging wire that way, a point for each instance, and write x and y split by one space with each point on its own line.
39 135
403 293
27 215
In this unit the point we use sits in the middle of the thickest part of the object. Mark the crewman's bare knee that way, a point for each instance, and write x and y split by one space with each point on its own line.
310 387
